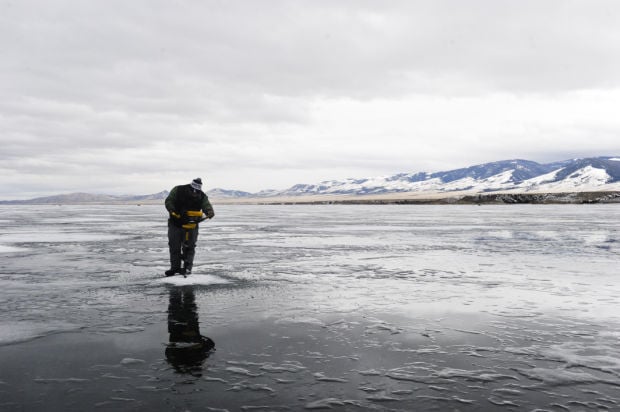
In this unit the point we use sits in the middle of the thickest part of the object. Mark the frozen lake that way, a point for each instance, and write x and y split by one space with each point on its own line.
468 308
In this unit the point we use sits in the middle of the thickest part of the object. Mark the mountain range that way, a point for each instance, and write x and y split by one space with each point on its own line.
506 176
574 175
73 198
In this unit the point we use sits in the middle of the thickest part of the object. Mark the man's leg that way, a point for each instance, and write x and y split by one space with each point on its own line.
189 249
175 240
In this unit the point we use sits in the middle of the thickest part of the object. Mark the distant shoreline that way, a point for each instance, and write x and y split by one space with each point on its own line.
409 198
439 199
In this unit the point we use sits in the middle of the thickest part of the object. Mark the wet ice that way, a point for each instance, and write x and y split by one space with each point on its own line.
340 307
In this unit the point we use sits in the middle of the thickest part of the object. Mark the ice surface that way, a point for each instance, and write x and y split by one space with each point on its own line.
11 249
313 307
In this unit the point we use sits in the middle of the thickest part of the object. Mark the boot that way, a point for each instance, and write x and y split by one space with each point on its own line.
175 271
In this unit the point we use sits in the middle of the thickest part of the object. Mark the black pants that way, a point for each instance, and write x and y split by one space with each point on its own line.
181 242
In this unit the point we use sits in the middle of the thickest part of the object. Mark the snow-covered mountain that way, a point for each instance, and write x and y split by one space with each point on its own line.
506 176
589 174
224 193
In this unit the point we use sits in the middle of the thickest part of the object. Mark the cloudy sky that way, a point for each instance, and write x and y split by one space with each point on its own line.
134 97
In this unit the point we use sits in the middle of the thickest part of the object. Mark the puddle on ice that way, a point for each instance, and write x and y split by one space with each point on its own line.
313 308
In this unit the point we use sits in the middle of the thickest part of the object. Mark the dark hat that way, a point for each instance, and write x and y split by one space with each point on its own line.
197 183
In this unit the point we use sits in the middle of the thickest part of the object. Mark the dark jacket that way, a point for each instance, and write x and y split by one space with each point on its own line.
181 199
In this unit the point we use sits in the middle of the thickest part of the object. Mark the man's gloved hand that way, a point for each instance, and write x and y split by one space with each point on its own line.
210 215
175 214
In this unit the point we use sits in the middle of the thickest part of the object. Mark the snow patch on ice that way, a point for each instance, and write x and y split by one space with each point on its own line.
476 375
561 376
123 329
326 403
131 361
11 249
320 376
596 357
56 237
301 319
242 371
16 332
286 367
193 280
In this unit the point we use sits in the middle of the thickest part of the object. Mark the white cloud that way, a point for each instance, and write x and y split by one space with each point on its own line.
134 96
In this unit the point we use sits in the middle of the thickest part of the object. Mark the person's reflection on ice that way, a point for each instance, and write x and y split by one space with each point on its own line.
187 349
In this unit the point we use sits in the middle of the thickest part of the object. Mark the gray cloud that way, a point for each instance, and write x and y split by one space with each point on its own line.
153 49
267 94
